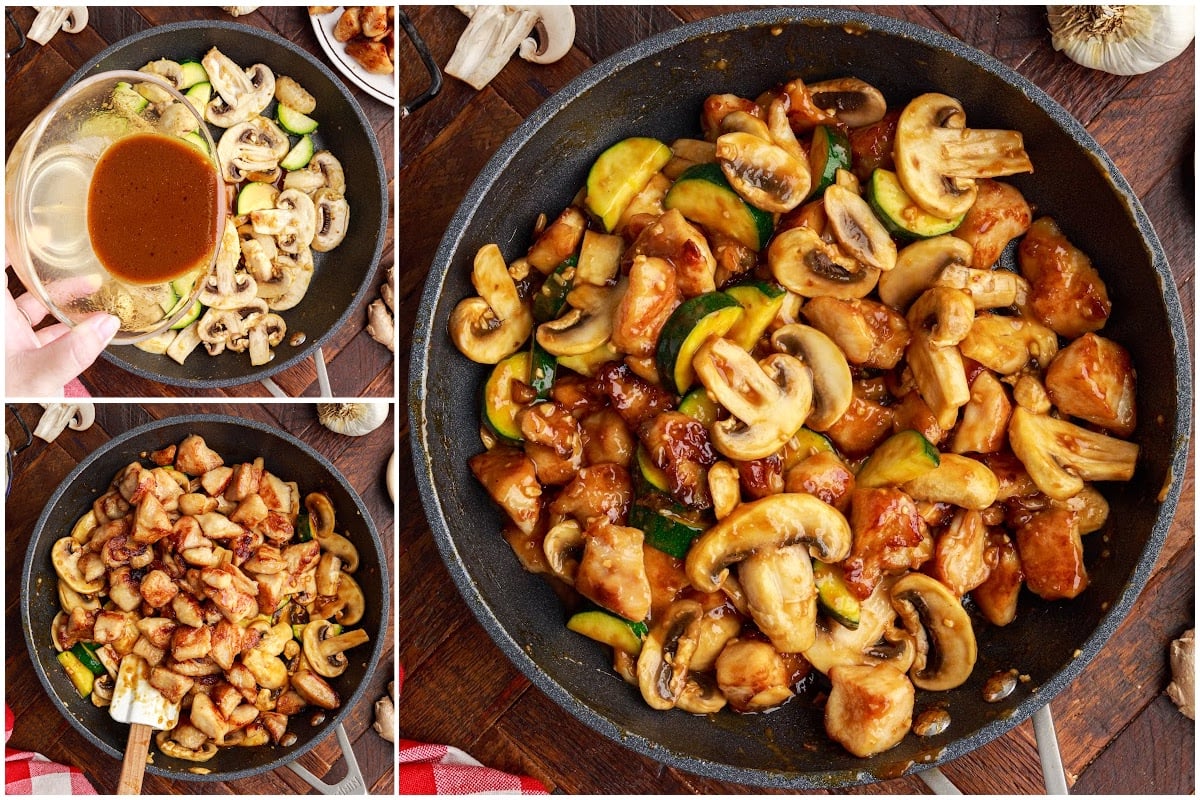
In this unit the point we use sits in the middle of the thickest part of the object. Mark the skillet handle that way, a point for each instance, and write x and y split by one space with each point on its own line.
323 384
351 784
435 74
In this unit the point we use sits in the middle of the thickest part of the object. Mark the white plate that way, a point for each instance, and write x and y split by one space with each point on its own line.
381 87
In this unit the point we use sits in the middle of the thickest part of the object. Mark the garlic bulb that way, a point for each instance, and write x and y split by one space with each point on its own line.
1123 40
352 419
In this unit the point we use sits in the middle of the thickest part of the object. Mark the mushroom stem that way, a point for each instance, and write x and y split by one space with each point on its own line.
51 19
496 32
59 416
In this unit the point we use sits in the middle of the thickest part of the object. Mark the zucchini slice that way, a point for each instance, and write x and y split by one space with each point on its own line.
621 172
199 95
689 326
499 408
609 629
899 214
293 121
542 367
699 406
128 100
834 596
80 676
902 457
196 140
760 301
651 474
256 196
550 300
830 152
667 526
193 73
300 154
704 196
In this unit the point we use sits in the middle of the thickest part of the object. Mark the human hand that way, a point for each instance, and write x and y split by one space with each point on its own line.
40 363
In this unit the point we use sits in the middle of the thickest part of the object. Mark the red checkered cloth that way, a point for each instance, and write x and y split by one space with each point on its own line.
437 769
33 773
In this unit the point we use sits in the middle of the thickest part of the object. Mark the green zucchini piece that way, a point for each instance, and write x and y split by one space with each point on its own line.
196 140
834 596
609 629
499 408
80 676
699 406
106 124
899 214
689 326
704 196
193 73
651 474
621 172
256 196
190 317
761 302
86 653
199 95
300 154
666 525
293 121
830 152
128 100
542 368
303 528
902 457
551 299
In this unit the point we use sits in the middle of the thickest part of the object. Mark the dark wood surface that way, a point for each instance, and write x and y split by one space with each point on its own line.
37 472
358 366
461 690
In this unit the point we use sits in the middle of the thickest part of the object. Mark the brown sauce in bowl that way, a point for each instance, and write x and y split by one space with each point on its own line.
152 208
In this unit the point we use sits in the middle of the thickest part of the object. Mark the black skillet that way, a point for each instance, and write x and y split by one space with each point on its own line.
342 276
236 440
656 88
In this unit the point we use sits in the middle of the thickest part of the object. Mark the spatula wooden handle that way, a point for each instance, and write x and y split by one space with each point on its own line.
134 766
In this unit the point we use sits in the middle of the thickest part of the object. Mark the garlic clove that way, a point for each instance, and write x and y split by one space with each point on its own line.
1122 40
352 419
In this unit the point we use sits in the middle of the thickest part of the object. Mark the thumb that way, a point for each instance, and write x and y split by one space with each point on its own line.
63 359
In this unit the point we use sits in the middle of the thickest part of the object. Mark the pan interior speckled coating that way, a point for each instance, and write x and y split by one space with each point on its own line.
656 88
235 440
341 277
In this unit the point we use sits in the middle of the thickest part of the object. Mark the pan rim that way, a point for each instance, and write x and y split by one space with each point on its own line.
424 335
27 576
275 366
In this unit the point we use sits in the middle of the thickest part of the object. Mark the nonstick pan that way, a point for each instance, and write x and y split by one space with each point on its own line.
343 275
235 440
656 89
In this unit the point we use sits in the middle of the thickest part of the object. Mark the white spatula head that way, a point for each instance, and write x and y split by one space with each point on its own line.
135 700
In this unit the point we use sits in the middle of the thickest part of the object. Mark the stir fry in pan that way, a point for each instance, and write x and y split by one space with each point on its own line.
777 405
227 580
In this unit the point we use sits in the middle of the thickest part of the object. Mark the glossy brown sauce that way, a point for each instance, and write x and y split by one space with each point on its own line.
152 208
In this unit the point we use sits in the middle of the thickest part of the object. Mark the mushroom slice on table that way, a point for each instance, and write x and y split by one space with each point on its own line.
494 325
938 158
240 93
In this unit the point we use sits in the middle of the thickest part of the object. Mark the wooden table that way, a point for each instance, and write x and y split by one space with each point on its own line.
38 471
358 366
460 689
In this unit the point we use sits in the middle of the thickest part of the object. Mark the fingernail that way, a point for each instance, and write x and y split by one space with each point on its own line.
106 326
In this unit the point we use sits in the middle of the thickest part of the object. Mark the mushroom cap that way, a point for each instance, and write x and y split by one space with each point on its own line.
494 325
854 102
809 266
833 384
332 219
589 323
946 648
662 665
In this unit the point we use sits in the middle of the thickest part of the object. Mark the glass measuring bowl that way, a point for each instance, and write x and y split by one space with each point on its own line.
47 177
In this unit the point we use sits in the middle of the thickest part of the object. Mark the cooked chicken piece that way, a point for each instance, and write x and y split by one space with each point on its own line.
612 572
864 425
188 534
110 627
251 512
151 522
867 331
216 480
825 476
1092 378
134 483
1067 294
998 215
218 526
1051 554
123 589
153 655
510 477
552 440
158 588
290 702
187 610
194 457
890 537
275 723
603 490
244 481
188 643
157 630
206 717
226 698
679 445
276 493
752 675
226 641
266 560
606 439
959 560
630 396
171 685
645 306
277 527
110 505
165 456
373 56
80 626
869 709
313 688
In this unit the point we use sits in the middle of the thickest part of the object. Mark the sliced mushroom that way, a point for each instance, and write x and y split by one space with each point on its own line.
765 174
938 158
226 286
173 749
297 269
178 120
782 596
857 229
494 325
321 518
254 145
918 266
833 385
170 71
66 555
958 480
332 219
346 607
323 171
769 400
853 102
811 267
1060 456
700 696
946 649
563 546
988 288
293 221
264 332
325 649
662 665
777 521
589 323
946 315
240 94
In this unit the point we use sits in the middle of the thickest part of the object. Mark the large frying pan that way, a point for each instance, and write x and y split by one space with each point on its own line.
342 276
656 88
236 440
